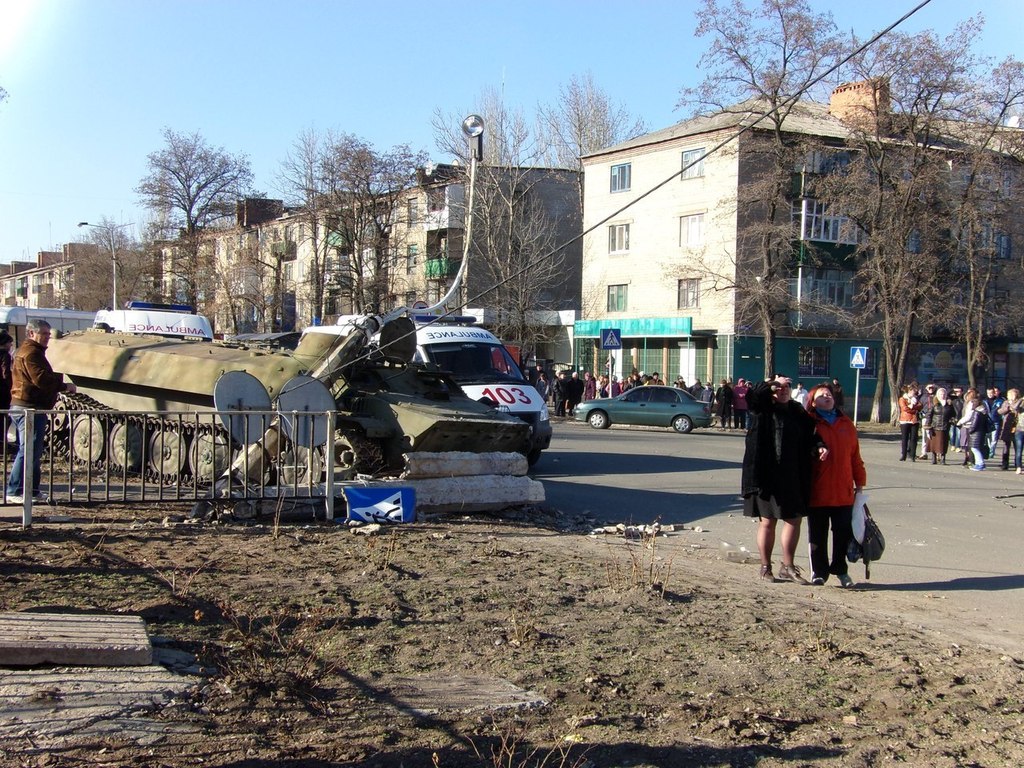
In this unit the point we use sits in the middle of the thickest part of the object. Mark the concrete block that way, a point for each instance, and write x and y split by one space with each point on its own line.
28 639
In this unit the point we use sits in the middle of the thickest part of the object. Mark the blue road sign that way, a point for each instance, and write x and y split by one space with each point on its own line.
611 338
858 357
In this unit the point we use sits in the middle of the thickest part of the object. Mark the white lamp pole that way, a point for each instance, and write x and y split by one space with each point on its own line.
109 229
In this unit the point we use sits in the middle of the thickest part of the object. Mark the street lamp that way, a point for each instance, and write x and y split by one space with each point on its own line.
109 229
473 128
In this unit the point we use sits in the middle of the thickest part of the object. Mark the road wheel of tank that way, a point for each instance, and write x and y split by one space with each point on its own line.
125 445
168 452
88 439
210 455
298 467
355 454
598 420
60 427
682 424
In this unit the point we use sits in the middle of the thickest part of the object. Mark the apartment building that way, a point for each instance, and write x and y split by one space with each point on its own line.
264 269
664 269
46 282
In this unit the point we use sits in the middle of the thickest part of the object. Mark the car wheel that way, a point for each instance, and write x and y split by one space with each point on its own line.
682 424
598 420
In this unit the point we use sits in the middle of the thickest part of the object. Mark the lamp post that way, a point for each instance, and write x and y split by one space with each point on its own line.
473 128
109 229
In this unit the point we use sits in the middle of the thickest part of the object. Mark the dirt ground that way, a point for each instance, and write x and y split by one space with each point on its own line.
315 641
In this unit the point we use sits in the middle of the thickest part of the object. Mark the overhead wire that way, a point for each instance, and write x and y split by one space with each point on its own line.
746 128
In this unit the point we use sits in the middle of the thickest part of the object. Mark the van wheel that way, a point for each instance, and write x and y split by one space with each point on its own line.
598 420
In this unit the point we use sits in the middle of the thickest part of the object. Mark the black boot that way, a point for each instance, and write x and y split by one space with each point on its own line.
943 459
934 460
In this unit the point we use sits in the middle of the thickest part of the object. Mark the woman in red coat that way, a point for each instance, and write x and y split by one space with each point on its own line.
834 482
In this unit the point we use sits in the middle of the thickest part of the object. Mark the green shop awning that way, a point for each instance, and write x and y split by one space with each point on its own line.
637 327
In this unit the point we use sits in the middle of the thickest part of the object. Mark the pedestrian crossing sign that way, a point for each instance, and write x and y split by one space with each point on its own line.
611 338
858 357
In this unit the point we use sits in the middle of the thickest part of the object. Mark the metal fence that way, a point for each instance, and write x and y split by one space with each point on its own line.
234 458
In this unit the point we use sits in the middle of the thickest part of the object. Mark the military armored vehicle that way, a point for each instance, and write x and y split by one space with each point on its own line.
387 406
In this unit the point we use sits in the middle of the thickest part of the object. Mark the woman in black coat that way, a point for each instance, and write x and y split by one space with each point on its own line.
776 482
942 416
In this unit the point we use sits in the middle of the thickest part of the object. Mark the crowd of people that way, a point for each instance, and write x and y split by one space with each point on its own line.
936 421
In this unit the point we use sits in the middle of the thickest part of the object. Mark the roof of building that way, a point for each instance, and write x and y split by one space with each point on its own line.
806 117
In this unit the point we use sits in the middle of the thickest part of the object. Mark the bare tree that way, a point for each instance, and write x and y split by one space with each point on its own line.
762 60
583 120
519 267
115 249
189 186
985 205
899 189
510 138
306 186
249 289
364 190
523 213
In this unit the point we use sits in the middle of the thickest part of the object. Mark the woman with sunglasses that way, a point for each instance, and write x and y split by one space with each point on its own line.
781 444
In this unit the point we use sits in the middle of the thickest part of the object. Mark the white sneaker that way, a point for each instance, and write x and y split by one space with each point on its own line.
14 499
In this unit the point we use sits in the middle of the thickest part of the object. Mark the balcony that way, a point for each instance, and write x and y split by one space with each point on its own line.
438 269
285 250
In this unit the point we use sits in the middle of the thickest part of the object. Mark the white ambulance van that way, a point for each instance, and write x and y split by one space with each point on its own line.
178 321
479 363
484 368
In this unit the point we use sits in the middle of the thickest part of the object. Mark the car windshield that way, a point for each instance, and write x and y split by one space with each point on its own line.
474 362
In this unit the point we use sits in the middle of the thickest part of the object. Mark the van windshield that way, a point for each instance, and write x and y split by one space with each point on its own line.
474 362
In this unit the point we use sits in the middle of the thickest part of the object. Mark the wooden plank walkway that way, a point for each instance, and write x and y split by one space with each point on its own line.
73 640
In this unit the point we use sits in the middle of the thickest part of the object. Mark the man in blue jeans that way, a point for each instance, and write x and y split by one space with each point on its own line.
35 386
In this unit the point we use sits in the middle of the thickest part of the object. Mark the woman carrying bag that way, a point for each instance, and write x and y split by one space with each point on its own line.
835 482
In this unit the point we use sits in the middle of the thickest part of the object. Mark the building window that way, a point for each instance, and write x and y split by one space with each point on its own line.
691 230
1004 249
693 163
435 199
413 210
621 177
412 252
618 238
832 287
617 298
812 221
812 362
689 294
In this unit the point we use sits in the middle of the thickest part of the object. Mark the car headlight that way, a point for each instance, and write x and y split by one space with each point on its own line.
544 415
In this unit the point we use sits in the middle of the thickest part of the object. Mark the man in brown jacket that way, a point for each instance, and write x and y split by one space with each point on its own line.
35 386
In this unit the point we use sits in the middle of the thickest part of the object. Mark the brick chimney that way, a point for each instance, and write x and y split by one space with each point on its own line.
861 104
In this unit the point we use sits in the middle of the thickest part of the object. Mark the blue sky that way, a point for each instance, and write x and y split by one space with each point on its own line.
92 83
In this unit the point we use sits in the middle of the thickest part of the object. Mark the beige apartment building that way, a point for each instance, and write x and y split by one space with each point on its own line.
660 279
45 282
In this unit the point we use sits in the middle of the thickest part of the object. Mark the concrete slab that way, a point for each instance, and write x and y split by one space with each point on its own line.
27 639
424 696
42 710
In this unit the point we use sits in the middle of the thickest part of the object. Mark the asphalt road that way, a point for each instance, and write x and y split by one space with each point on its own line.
954 538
